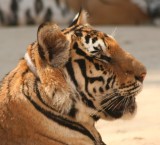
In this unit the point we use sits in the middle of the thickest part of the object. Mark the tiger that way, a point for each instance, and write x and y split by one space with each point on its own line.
67 80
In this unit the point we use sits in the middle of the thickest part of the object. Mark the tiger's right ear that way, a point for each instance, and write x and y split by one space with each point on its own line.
53 46
80 18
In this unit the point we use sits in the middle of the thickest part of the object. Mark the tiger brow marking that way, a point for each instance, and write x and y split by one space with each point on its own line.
78 33
81 53
94 40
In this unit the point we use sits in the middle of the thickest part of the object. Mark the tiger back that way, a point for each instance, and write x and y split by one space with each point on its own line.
68 80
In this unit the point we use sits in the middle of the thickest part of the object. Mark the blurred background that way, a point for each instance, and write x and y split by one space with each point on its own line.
137 24
102 12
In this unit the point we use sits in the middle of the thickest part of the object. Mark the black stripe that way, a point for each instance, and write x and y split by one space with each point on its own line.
59 119
114 79
108 82
41 52
25 72
135 87
86 101
126 86
82 66
81 53
94 90
78 33
97 66
73 111
87 37
41 26
106 58
50 53
71 72
36 90
96 48
93 79
70 29
76 20
94 40
101 90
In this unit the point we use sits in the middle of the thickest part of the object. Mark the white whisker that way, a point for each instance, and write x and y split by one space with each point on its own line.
113 34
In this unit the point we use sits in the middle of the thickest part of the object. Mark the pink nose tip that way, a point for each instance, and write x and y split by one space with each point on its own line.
141 76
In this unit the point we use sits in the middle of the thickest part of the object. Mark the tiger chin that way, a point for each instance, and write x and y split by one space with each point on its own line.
68 80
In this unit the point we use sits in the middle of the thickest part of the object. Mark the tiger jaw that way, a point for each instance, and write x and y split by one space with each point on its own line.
121 107
121 104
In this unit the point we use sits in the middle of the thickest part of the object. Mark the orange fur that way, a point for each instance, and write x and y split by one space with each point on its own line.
66 81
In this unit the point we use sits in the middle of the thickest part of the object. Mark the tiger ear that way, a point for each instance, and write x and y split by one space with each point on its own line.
53 46
80 18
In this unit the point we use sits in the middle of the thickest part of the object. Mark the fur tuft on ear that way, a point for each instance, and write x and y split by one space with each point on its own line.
80 18
53 44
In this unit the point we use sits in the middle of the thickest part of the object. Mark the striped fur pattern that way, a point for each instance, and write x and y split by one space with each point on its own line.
21 12
67 81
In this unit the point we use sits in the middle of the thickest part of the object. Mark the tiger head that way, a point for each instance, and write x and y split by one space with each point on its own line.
105 77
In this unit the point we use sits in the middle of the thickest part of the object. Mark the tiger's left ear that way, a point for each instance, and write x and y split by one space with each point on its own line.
53 45
80 18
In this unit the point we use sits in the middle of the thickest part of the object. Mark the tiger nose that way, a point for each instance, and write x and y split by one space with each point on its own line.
141 77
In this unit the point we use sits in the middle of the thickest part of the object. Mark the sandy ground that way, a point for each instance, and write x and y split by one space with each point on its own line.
144 44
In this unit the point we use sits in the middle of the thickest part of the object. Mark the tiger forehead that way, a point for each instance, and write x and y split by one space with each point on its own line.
92 39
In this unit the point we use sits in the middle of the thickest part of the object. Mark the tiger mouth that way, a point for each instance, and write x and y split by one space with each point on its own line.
121 102
120 106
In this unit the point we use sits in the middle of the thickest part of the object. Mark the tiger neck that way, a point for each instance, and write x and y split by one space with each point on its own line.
77 110
81 112
84 112
66 103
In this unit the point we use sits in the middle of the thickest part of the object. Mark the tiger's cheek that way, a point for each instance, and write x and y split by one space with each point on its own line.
97 89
